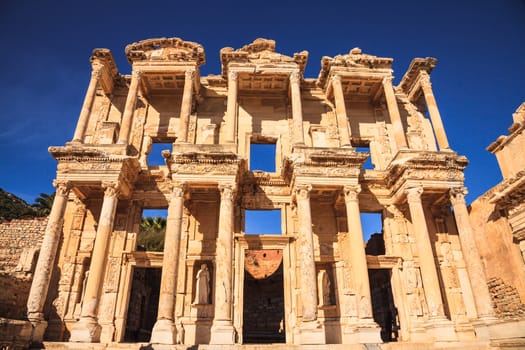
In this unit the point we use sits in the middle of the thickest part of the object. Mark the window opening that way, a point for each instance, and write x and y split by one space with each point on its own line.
262 222
155 154
368 163
372 223
262 156
152 230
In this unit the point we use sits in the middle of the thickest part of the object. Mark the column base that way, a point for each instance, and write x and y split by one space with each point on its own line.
39 328
365 331
311 333
222 333
86 330
163 332
442 329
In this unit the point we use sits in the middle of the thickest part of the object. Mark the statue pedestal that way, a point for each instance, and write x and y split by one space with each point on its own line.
222 332
86 330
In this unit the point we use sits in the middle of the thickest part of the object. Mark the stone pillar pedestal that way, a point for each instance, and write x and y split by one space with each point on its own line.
433 112
185 109
46 260
87 328
129 109
231 107
83 119
367 329
340 111
164 331
471 255
297 110
222 330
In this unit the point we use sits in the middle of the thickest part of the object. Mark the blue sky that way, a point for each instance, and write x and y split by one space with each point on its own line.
44 62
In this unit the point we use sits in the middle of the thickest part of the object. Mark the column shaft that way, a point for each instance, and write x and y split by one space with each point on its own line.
46 260
85 112
358 256
306 247
297 110
87 328
129 109
426 255
185 109
231 107
340 110
471 255
223 260
433 111
393 111
164 329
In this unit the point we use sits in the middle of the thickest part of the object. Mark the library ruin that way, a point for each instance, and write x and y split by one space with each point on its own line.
339 146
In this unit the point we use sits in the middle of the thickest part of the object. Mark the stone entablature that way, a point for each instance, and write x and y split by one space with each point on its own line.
323 131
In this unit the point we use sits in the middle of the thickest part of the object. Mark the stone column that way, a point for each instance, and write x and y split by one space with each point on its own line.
164 329
433 111
393 111
87 328
231 107
83 119
222 331
129 109
46 260
358 255
427 263
306 249
340 110
297 110
471 255
185 109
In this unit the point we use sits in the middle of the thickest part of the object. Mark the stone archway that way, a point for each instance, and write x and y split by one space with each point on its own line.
263 305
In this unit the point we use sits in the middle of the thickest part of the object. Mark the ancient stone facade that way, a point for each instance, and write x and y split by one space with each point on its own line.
420 281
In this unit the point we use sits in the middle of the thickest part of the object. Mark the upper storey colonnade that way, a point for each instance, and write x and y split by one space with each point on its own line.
171 66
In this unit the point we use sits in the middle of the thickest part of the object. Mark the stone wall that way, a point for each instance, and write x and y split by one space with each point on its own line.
20 242
506 298
17 235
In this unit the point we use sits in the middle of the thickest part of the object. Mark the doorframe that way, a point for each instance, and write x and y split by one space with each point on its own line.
271 242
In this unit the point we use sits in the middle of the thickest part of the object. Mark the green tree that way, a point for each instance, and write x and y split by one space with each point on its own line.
151 235
43 203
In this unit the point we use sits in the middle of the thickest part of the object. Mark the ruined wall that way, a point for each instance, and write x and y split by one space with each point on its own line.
20 241
494 241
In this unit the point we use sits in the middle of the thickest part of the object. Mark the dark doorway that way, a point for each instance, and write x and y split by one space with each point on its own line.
263 313
383 307
143 304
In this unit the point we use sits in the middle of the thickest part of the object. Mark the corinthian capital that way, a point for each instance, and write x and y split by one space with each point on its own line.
137 74
178 189
232 75
457 195
189 74
111 188
351 192
295 77
302 192
414 194
336 78
424 80
227 190
387 80
62 187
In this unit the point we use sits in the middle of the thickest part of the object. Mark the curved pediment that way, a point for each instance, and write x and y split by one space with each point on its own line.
260 52
165 49
355 59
